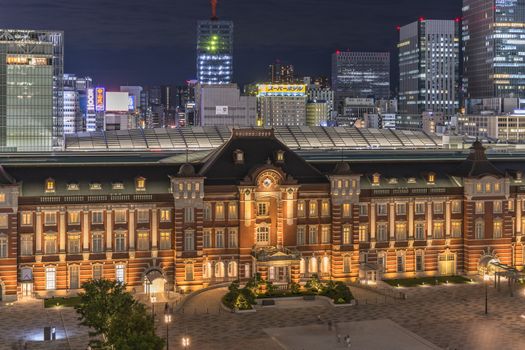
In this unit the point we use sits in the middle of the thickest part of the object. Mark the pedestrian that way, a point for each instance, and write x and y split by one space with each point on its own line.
319 319
338 338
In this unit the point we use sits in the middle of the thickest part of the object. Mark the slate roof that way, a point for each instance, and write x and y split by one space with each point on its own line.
477 165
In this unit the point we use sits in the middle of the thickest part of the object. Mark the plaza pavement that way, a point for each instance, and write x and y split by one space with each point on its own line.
448 316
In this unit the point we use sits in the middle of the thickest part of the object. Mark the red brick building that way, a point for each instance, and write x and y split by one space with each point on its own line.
159 223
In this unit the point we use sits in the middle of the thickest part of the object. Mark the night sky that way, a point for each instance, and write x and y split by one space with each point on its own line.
141 42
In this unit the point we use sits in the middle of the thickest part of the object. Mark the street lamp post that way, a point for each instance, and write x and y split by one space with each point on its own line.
185 342
167 320
485 281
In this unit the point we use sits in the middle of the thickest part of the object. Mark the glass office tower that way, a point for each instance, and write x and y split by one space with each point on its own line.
31 90
494 48
214 51
360 75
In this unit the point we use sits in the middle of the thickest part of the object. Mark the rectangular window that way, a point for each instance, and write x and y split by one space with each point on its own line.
456 207
4 221
73 243
300 235
232 238
165 240
420 231
120 273
400 263
312 235
165 215
143 216
50 246
511 204
347 264
312 209
347 234
455 229
74 277
325 234
219 239
325 208
188 272
346 210
232 211
300 209
401 231
262 235
2 197
219 211
401 208
97 244
498 229
189 241
143 240
120 216
189 214
207 212
50 278
27 218
438 207
363 233
97 271
262 208
363 209
498 207
419 208
97 217
381 209
120 242
73 218
206 239
26 245
382 232
419 263
50 218
480 208
3 246
438 230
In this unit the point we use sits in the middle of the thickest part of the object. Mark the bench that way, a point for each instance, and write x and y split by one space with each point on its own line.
268 302
309 297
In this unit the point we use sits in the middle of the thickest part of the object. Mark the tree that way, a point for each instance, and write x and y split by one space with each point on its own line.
117 320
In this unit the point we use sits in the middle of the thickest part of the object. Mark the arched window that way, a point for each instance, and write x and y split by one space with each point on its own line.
313 268
325 265
232 269
302 266
219 269
206 270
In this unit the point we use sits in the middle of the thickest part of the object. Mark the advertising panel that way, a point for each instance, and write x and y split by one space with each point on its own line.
221 110
117 101
100 99
91 99
281 90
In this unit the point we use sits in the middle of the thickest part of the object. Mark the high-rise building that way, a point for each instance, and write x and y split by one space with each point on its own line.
223 105
31 90
428 67
280 73
317 113
493 44
360 75
72 113
281 105
214 50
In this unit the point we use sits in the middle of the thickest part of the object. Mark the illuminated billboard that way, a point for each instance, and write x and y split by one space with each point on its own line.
91 99
117 101
131 103
281 90
100 99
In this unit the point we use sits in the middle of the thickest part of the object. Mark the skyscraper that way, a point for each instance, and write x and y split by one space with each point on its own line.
279 73
214 50
428 67
31 90
494 48
359 75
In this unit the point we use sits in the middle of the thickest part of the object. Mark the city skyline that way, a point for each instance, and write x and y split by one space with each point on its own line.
129 44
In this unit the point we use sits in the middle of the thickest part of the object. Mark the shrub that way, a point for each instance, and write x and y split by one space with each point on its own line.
295 288
314 284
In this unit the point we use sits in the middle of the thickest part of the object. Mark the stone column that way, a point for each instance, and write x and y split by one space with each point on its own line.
372 222
38 238
410 220
131 229
154 228
518 210
62 231
109 231
392 220
85 231
429 219
447 218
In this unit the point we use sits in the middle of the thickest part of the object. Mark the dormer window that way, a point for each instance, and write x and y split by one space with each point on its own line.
95 186
376 178
279 156
411 180
117 186
392 181
238 156
140 184
431 179
73 186
50 185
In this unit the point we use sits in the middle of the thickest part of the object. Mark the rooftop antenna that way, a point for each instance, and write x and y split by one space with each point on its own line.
214 10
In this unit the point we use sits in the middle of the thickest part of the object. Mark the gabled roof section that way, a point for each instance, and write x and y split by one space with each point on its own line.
259 147
477 165
5 178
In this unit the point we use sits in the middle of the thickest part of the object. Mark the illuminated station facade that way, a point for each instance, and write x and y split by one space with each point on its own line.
158 223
